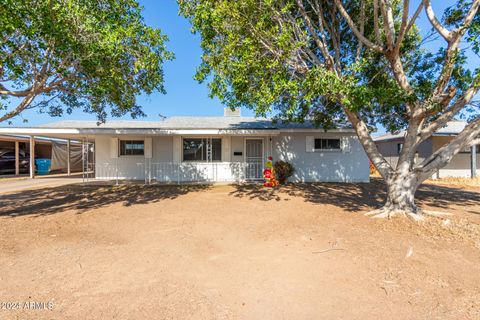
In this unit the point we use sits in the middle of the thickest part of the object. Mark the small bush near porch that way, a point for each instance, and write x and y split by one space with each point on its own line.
238 252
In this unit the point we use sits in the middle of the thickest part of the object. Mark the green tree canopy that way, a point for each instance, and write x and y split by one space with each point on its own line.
359 60
59 55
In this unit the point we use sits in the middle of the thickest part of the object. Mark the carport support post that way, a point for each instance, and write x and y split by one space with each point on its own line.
17 160
32 157
88 165
68 157
473 161
83 159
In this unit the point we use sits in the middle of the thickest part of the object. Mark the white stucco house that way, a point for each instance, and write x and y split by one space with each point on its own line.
229 148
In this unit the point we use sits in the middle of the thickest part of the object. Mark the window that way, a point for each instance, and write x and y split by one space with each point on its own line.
327 144
399 147
132 147
202 149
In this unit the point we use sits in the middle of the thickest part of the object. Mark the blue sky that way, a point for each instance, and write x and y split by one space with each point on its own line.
184 95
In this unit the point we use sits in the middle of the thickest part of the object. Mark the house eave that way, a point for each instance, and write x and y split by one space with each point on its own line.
341 130
398 138
84 132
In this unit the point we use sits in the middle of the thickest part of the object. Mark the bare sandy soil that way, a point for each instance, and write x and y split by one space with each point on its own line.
237 252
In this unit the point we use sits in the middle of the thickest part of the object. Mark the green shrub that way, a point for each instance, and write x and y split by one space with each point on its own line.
283 171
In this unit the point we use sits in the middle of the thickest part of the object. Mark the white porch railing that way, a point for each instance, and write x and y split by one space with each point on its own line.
171 172
112 171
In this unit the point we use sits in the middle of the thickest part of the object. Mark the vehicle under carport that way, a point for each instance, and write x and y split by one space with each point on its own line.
65 155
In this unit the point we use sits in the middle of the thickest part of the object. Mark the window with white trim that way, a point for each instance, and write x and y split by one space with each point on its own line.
327 144
202 149
132 147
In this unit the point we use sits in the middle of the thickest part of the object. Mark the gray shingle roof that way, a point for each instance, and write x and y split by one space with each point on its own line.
185 123
452 128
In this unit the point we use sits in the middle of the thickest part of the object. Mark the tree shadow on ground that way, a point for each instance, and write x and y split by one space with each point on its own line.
350 197
80 197
359 196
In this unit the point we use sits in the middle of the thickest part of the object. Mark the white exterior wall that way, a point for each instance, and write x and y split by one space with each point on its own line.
329 166
166 164
129 167
459 166
238 145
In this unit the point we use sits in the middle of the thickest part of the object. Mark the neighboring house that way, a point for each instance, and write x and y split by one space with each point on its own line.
390 146
229 148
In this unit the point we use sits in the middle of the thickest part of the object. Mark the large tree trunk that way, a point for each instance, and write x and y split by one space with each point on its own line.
401 190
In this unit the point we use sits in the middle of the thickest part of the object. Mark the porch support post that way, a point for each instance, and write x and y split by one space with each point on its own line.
17 158
94 150
83 159
473 161
88 165
270 141
32 157
68 158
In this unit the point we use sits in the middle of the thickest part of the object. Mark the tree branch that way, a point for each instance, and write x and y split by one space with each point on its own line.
14 93
434 21
448 115
414 18
454 38
300 37
39 79
369 145
357 33
22 106
362 29
320 44
443 155
470 16
474 142
407 25
403 26
322 26
376 28
388 23
407 154
335 36
393 53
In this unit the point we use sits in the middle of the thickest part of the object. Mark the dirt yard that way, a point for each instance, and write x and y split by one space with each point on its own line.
236 252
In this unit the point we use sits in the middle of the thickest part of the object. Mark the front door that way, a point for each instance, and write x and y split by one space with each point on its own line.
254 159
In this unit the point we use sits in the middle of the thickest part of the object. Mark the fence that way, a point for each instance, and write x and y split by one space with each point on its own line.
170 172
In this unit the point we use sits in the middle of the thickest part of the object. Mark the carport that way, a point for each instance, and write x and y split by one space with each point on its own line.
43 147
37 139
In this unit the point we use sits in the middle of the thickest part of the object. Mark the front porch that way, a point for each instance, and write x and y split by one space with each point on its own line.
181 159
180 172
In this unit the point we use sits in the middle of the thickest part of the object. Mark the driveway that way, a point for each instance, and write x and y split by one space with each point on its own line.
8 185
